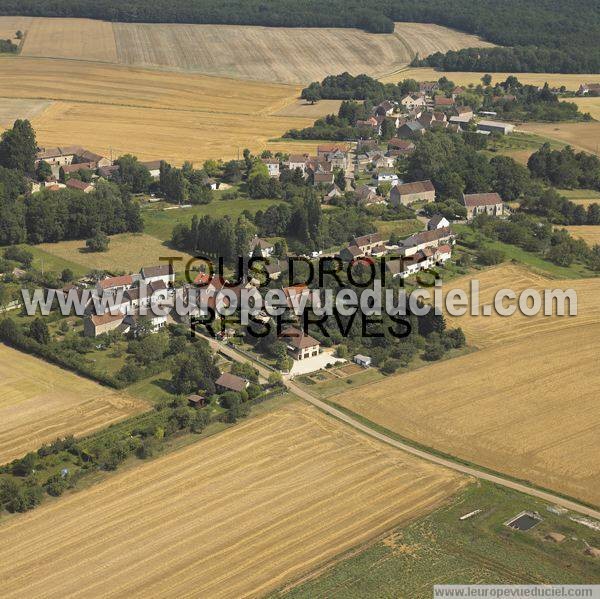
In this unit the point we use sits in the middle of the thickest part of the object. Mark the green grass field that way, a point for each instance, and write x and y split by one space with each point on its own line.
45 261
535 262
403 228
441 549
334 385
160 222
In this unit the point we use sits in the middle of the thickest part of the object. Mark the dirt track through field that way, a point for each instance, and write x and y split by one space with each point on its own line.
235 515
40 402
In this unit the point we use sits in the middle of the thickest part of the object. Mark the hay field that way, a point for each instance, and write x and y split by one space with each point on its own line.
82 39
425 38
591 105
127 252
40 402
527 408
154 114
10 25
12 109
571 81
483 331
584 197
288 55
581 136
589 233
285 55
301 108
234 515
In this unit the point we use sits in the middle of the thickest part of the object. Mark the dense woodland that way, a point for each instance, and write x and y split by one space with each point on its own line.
543 35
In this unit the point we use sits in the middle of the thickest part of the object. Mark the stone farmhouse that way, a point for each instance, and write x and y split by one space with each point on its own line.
407 193
483 203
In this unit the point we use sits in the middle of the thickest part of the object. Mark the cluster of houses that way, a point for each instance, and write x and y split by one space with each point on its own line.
589 89
320 168
67 162
129 294
420 251
428 109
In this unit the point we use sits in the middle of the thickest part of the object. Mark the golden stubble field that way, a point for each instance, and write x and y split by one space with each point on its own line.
571 81
527 408
235 515
581 136
525 404
483 331
40 402
153 114
272 54
589 233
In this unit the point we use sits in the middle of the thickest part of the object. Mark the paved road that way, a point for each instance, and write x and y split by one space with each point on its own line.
448 463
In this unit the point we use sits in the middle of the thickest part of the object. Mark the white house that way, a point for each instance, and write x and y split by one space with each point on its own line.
442 254
410 102
266 248
437 221
154 167
386 176
153 274
272 165
361 360
297 161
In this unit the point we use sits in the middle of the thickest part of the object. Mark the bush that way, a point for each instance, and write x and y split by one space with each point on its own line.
433 352
390 366
55 485
490 257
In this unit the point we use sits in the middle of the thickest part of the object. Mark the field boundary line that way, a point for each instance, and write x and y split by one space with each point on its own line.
448 462
426 453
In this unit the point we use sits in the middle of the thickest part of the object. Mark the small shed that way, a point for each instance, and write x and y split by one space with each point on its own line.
364 361
196 401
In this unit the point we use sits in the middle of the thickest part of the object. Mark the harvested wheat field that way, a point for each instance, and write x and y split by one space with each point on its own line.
581 136
301 108
571 81
589 233
10 25
82 39
153 114
234 515
13 108
127 252
527 408
285 55
482 331
40 402
584 197
591 105
425 38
